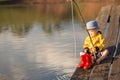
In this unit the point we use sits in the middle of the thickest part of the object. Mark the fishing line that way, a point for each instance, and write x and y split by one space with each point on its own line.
74 32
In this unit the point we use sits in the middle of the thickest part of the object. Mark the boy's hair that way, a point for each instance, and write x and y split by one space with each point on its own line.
100 32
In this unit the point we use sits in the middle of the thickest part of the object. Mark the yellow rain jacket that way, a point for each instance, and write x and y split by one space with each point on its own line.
98 41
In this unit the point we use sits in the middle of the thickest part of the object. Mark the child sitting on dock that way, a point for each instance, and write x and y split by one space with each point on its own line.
95 45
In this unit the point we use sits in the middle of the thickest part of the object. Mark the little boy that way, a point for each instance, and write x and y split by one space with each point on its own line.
97 39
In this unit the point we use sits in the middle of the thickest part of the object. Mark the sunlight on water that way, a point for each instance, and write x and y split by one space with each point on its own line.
39 56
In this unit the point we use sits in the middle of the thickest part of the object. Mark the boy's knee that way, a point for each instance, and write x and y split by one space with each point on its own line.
105 52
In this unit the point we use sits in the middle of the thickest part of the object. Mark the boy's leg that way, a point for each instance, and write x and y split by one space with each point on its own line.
104 54
93 59
82 62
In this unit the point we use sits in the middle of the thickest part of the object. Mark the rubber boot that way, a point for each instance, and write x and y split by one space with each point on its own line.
88 62
83 60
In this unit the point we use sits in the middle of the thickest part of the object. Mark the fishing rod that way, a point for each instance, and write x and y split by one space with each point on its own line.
84 22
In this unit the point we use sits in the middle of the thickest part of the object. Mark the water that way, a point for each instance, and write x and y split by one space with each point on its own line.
38 55
37 42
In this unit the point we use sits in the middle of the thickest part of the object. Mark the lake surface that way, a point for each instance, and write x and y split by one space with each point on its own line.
37 41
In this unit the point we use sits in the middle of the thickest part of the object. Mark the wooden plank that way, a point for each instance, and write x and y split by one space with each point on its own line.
103 16
79 73
115 74
100 71
112 30
118 10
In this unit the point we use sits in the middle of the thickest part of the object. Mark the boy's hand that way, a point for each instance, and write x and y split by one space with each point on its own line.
94 50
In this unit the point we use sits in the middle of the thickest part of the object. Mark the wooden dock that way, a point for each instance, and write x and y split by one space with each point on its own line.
109 69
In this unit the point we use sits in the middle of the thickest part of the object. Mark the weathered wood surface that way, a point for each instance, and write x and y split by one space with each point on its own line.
115 74
101 71
80 74
103 17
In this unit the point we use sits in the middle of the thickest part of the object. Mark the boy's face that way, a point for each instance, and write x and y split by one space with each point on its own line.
93 32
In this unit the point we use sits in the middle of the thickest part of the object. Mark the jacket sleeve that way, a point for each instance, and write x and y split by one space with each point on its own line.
87 43
102 41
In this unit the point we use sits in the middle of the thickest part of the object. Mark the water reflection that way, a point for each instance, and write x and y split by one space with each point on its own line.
19 19
37 56
32 44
